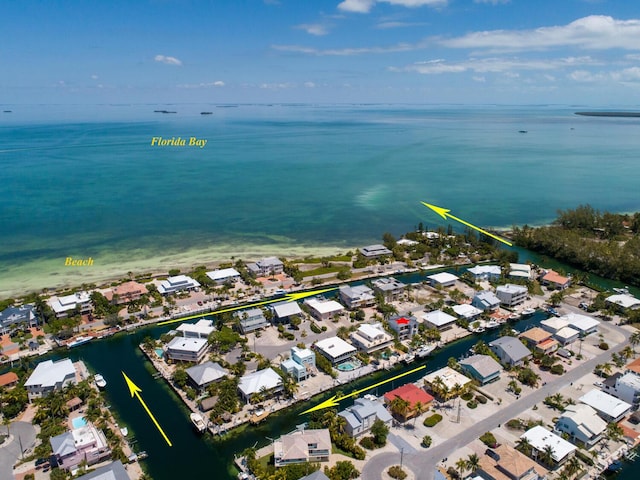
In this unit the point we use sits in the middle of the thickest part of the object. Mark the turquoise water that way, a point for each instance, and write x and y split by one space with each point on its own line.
80 181
79 422
349 365
159 352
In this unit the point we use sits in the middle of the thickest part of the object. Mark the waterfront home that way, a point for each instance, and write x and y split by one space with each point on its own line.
406 326
125 293
265 383
610 408
538 339
370 338
178 283
111 471
445 381
304 357
407 242
520 271
540 438
201 376
335 349
283 311
322 309
266 266
358 296
302 446
511 295
79 302
481 367
509 464
224 275
443 279
554 324
187 349
623 301
486 301
510 351
584 324
201 329
361 416
85 444
251 320
566 335
485 272
439 320
582 424
12 317
625 386
555 280
49 376
390 288
8 380
414 396
375 251
466 311
293 368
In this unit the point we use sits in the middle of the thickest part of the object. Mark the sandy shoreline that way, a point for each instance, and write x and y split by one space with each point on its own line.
33 276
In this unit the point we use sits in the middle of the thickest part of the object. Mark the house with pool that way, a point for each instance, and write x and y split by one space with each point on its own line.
336 350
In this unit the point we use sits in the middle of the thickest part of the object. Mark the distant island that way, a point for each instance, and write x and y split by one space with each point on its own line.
609 114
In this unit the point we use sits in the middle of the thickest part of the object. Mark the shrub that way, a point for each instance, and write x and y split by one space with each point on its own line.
466 396
472 404
453 473
481 399
432 420
515 424
289 336
557 369
368 443
488 439
315 328
603 346
397 472
426 441
324 329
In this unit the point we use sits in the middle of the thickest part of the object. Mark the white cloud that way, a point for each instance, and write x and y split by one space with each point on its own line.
313 28
343 52
479 78
94 77
596 32
390 24
309 84
277 86
167 60
356 6
365 6
417 3
217 83
493 65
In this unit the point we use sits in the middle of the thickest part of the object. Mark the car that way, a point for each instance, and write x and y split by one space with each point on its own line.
493 454
200 302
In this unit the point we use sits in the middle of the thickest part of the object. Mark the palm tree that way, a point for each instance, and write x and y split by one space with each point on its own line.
572 467
614 432
546 456
627 352
418 408
473 462
399 407
634 340
524 446
461 465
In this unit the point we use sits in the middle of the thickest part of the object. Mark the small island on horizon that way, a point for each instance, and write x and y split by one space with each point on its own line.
609 114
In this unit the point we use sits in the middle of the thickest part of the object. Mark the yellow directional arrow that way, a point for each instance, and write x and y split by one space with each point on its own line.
135 391
333 401
289 297
444 213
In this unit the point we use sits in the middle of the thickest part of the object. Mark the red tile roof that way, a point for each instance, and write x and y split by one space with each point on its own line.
634 366
8 379
411 394
556 278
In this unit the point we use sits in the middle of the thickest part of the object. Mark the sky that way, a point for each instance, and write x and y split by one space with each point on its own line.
521 52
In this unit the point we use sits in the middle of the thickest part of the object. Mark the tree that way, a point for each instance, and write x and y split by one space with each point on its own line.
461 465
418 408
524 446
180 377
473 462
614 432
546 455
342 470
399 407
634 340
379 430
572 466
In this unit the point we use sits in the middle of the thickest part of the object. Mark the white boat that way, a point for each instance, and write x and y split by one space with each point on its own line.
492 324
514 316
408 358
80 340
124 431
100 381
528 311
198 422
425 350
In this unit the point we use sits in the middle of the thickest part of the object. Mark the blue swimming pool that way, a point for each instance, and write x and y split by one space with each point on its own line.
159 352
349 365
78 422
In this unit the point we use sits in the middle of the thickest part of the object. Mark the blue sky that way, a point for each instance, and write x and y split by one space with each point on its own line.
410 51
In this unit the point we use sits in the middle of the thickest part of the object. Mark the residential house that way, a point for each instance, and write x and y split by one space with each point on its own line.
266 266
302 446
610 408
317 475
304 357
538 339
358 296
264 382
439 320
361 416
335 350
390 288
11 317
485 272
201 329
374 251
510 351
224 275
511 295
8 380
566 335
486 301
582 424
49 376
583 323
187 349
125 293
554 324
405 326
370 338
283 311
509 464
64 306
446 377
443 279
178 283
111 471
520 271
481 367
468 312
201 376
322 309
293 368
413 395
86 444
540 438
555 280
623 301
251 320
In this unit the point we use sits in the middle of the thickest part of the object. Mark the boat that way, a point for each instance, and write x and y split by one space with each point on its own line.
408 358
553 311
198 422
528 311
492 324
124 431
425 350
514 316
622 291
100 381
80 340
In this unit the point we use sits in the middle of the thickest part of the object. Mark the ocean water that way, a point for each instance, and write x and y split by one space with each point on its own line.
85 181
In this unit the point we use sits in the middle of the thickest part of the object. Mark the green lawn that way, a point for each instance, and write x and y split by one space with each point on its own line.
321 271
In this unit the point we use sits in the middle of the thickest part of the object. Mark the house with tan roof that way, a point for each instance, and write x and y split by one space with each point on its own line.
510 465
302 446
370 338
125 293
582 424
540 340
555 280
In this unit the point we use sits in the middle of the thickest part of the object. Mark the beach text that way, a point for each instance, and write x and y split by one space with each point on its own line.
78 262
178 142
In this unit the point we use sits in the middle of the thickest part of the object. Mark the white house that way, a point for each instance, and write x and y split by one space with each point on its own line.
370 338
511 295
24 314
251 319
554 324
284 311
626 387
390 288
201 329
520 270
610 408
443 279
540 438
584 324
335 349
438 320
187 349
224 275
624 301
466 311
566 335
322 309
177 283
582 424
294 369
63 306
361 416
373 251
358 296
302 446
49 376
266 266
486 301
265 381
485 272
304 357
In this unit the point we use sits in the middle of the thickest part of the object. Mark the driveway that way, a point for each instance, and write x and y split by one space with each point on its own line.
21 433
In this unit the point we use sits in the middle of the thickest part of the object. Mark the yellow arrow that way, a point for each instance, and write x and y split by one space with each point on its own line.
333 401
135 391
444 213
289 297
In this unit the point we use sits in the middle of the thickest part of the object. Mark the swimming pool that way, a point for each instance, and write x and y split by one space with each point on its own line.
78 422
349 365
159 352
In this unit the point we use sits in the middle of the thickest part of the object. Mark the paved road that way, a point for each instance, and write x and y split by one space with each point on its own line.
21 432
424 463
